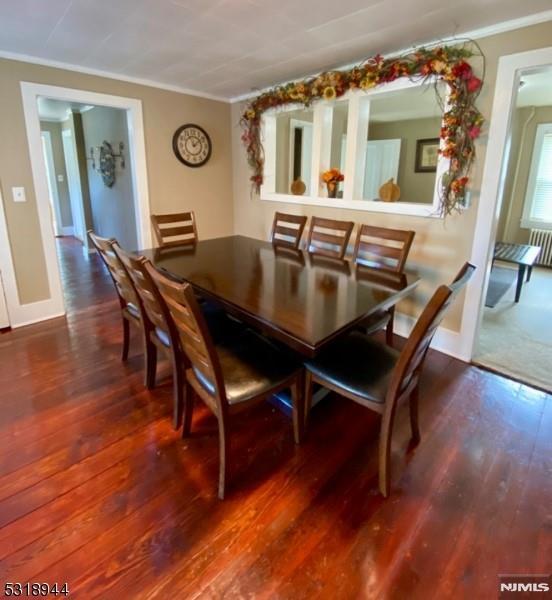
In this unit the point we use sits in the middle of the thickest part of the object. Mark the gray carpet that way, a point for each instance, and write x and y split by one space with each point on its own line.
500 282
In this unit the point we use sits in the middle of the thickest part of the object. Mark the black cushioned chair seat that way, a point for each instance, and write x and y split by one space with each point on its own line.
251 365
358 364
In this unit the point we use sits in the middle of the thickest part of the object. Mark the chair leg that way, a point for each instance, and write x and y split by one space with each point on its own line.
151 363
298 408
389 328
179 394
188 396
223 456
126 339
413 402
386 431
307 400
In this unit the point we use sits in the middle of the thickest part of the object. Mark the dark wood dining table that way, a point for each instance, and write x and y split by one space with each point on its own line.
300 299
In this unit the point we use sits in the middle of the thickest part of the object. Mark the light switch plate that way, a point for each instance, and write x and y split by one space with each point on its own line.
18 194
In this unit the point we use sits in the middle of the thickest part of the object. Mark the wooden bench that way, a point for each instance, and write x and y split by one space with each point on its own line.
523 255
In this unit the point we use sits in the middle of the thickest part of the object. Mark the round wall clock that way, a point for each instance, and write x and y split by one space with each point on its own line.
192 145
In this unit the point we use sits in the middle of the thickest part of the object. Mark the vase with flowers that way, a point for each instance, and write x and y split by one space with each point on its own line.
332 178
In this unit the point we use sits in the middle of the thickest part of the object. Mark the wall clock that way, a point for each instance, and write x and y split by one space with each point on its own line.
192 145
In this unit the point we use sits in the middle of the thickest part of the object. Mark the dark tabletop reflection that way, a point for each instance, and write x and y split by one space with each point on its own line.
301 298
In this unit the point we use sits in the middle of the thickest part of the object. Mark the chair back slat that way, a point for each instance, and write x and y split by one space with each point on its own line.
287 229
175 229
194 336
383 247
121 279
152 301
329 237
415 350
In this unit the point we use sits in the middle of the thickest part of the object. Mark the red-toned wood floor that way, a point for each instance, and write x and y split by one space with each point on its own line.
96 489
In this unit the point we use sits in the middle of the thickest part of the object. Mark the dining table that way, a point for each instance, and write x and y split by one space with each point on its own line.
300 299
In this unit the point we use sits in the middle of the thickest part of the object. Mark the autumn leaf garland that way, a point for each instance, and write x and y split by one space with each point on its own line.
461 124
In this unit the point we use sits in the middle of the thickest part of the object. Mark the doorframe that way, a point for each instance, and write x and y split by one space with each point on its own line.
51 169
23 314
509 71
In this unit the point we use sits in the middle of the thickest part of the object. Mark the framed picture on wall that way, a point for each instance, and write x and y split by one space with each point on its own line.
427 155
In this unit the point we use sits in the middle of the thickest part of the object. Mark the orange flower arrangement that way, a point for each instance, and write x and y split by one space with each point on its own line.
331 178
332 175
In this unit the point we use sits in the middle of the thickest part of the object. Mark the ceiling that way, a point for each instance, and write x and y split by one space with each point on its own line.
536 89
227 48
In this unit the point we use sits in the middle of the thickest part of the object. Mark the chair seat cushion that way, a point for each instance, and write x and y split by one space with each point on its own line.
251 366
357 364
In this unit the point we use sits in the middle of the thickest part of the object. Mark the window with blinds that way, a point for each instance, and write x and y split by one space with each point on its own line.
537 211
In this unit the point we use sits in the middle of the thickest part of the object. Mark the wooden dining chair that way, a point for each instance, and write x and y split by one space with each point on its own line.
329 237
130 302
372 374
386 249
227 376
287 229
159 327
176 229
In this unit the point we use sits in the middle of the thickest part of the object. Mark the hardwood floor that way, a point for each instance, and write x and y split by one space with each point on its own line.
96 489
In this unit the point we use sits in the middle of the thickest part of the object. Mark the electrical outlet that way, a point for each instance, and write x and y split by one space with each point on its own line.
18 194
60 178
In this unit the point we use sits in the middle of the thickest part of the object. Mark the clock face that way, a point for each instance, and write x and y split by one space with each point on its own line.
192 145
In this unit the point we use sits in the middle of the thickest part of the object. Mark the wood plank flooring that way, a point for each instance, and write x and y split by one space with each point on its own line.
97 490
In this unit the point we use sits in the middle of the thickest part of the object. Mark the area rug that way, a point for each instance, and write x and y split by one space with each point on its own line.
516 339
500 282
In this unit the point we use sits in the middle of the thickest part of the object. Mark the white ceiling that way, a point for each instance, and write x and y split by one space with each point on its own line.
227 48
536 89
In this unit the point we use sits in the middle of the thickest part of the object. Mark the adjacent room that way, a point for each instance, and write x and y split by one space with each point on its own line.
275 299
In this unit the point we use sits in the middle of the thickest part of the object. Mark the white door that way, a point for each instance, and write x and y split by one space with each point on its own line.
382 164
51 177
4 317
74 183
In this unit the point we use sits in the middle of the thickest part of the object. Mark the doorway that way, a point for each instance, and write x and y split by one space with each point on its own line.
53 306
507 321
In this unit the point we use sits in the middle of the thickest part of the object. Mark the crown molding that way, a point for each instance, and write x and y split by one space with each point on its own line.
109 75
475 34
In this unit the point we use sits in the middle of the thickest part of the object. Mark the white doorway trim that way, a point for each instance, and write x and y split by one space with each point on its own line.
494 174
23 314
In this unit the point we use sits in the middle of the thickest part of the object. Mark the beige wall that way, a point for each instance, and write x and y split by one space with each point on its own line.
515 187
59 166
440 247
415 187
172 186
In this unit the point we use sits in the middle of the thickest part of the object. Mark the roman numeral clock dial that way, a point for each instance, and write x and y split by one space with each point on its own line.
192 145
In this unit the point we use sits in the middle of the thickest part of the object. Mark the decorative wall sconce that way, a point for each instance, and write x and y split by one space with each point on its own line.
106 158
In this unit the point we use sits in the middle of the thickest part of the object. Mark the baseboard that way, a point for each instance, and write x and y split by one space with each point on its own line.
446 341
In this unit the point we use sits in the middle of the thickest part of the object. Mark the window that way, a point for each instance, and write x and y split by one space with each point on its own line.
537 211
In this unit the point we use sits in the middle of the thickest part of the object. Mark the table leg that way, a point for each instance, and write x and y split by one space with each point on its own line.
529 272
520 278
